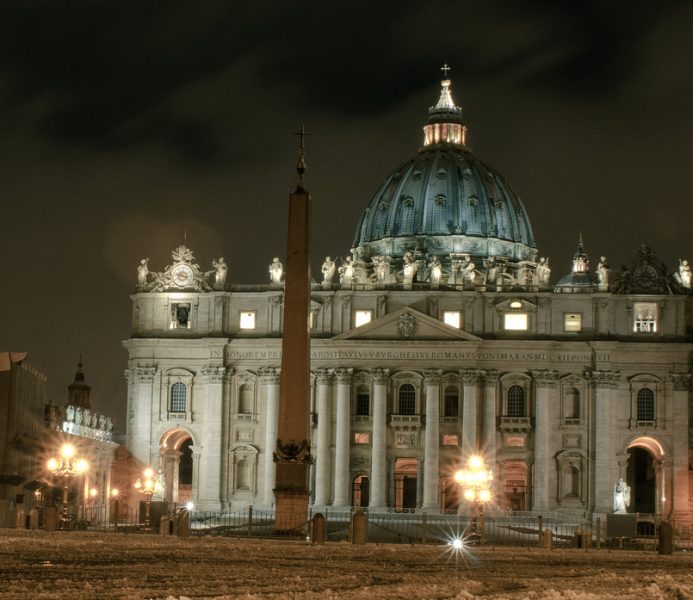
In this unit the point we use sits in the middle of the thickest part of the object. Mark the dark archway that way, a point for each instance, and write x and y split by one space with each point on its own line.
642 480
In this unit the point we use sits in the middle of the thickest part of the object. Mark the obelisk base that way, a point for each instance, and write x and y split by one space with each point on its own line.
291 498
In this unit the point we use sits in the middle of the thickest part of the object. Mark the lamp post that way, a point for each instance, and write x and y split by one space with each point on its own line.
476 482
67 465
148 485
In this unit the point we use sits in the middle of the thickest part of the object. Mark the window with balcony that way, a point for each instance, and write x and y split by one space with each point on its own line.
406 404
516 402
178 400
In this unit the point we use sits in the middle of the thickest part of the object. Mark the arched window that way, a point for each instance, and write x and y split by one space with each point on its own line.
516 401
363 402
407 400
245 400
645 405
178 397
571 407
452 403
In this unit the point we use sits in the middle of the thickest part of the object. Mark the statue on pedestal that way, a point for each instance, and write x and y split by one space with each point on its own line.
143 272
276 271
491 270
543 271
346 271
621 496
409 268
381 266
468 270
436 271
603 273
684 274
220 271
328 270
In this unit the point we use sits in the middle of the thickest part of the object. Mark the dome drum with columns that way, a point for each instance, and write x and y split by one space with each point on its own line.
441 337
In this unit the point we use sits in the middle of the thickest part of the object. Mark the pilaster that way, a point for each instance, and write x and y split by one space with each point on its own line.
269 378
470 414
322 454
545 382
378 494
431 466
681 383
342 438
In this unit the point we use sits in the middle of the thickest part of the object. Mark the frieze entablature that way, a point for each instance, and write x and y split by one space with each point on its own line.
604 378
545 377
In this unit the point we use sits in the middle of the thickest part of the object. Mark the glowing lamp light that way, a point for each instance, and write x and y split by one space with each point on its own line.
93 492
81 465
114 492
52 464
67 451
189 506
469 494
148 472
457 544
476 462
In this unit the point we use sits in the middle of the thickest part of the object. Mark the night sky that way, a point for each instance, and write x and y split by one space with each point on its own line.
124 123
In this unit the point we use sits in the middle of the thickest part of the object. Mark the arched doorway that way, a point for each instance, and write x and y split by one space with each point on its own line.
176 451
644 475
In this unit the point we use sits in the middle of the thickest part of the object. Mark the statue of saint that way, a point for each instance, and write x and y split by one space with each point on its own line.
70 413
468 270
143 272
436 270
543 271
684 274
409 268
220 270
276 271
491 270
346 271
381 265
160 485
328 270
621 496
78 415
603 273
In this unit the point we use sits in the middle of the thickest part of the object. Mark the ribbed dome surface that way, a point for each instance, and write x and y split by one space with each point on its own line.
445 200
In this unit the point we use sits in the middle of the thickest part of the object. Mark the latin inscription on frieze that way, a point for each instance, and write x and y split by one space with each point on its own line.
418 355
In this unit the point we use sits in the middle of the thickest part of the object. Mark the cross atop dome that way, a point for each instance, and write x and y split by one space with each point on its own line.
445 69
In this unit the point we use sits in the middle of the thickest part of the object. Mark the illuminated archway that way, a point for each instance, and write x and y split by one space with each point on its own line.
645 475
176 456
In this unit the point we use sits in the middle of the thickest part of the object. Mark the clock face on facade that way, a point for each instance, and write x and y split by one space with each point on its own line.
645 277
182 275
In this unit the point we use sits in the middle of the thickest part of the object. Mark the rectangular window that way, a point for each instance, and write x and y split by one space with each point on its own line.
361 317
451 440
247 319
572 322
452 318
362 438
515 321
645 317
180 315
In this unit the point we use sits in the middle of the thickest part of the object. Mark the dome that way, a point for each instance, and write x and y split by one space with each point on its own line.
580 280
445 201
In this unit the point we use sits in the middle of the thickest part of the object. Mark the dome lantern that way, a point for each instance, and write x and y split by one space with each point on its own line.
445 124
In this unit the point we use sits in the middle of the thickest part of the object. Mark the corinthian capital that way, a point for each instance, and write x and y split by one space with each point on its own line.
681 381
380 375
606 379
268 374
545 377
491 377
470 376
323 376
344 375
432 376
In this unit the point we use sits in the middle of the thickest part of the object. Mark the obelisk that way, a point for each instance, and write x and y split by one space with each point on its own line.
292 453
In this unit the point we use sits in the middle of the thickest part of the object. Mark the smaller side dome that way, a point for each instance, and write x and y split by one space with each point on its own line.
580 280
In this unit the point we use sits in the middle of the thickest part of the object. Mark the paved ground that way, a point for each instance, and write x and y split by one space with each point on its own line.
79 565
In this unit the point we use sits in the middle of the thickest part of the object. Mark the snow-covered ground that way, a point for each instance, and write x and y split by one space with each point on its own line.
81 565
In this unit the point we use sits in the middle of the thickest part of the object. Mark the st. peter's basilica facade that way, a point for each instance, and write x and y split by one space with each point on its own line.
443 334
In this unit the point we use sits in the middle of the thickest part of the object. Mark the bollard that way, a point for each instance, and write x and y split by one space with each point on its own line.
250 521
599 533
318 526
547 541
666 538
540 527
164 525
424 529
183 523
359 528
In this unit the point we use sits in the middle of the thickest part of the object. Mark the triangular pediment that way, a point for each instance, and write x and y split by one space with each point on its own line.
407 323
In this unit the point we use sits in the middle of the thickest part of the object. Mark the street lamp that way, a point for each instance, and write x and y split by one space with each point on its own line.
66 465
476 482
148 486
